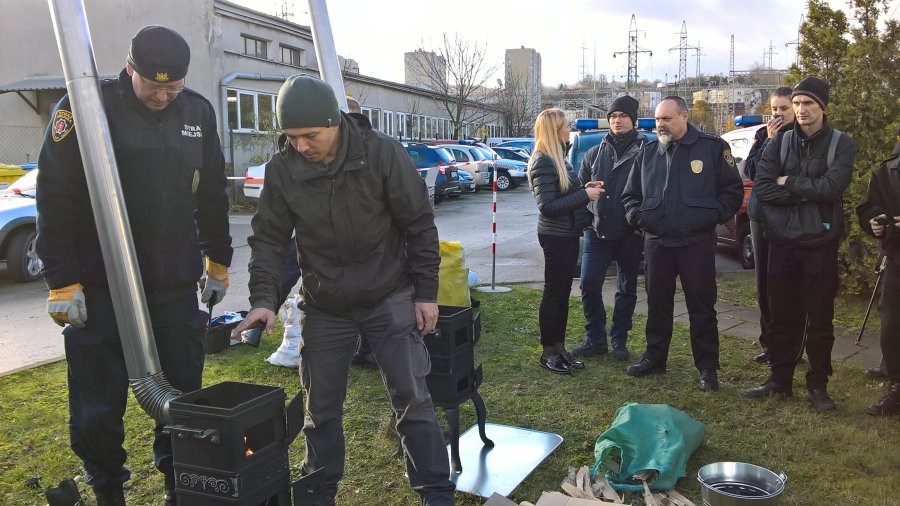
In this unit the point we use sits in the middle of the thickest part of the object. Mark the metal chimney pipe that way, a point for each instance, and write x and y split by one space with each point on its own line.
326 53
73 37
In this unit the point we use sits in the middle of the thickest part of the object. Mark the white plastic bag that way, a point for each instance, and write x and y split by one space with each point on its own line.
288 354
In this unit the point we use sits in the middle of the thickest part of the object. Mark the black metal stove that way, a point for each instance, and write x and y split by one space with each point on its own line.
454 378
230 445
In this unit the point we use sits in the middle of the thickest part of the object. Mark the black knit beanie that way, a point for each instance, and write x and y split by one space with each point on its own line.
814 88
305 102
159 54
625 104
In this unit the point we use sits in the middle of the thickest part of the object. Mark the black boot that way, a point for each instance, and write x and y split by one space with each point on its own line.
110 496
889 405
170 490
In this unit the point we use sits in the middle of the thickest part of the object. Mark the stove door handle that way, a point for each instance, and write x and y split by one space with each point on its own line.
182 432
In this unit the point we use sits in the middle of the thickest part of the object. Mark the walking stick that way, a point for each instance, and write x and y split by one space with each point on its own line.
880 272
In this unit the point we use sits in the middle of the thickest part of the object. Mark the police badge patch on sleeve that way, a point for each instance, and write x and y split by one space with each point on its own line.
63 123
728 158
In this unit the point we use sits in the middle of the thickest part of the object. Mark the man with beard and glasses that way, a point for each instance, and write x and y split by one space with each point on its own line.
611 237
680 188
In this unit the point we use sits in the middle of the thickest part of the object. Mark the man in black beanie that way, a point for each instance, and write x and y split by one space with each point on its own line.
799 182
173 181
368 249
879 216
611 237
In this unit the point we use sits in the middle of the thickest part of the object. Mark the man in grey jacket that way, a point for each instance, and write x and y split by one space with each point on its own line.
368 250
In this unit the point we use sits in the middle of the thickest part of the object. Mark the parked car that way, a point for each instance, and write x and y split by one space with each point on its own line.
471 159
253 181
741 140
526 144
510 173
18 229
424 156
466 182
518 154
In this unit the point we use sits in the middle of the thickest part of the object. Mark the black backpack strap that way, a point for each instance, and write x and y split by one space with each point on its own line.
832 146
785 145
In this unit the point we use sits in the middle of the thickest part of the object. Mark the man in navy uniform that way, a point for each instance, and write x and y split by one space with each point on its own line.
173 180
680 188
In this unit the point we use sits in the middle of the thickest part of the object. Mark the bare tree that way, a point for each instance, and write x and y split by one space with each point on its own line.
413 105
357 91
456 69
517 103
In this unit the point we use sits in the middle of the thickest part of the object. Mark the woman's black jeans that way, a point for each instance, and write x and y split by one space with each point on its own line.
560 259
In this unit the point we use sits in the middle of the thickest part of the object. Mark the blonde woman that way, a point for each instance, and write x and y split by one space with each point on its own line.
562 203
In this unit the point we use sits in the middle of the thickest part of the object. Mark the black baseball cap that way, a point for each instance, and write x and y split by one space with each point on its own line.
159 54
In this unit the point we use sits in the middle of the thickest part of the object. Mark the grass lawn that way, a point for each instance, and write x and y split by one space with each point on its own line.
842 458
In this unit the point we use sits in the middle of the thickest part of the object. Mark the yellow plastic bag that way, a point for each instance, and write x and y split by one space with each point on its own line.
453 289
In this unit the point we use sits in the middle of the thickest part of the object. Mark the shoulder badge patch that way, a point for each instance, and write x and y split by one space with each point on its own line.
696 166
728 158
63 123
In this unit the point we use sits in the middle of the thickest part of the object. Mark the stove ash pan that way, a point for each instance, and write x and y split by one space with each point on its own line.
230 444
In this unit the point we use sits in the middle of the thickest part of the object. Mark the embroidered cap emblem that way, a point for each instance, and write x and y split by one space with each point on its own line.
162 77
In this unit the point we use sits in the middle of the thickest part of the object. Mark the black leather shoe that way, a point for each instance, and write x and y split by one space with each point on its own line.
762 358
573 362
768 389
621 353
112 496
889 405
645 367
709 380
876 372
820 400
555 363
589 348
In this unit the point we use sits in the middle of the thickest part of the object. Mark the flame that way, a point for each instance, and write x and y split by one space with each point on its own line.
249 451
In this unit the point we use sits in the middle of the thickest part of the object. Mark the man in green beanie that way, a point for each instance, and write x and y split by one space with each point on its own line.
368 250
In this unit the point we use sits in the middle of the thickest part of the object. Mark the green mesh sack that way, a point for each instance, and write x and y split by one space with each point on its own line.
653 440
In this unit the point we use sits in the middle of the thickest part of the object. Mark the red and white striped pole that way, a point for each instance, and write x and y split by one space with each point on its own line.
493 287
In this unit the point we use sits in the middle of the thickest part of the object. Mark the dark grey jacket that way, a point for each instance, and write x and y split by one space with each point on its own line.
562 214
364 229
601 163
808 178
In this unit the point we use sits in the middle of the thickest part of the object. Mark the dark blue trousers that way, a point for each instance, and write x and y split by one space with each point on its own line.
595 260
695 264
98 379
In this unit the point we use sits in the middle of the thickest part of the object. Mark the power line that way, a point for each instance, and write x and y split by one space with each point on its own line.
633 51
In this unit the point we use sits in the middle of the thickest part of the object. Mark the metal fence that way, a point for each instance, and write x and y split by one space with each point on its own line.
20 144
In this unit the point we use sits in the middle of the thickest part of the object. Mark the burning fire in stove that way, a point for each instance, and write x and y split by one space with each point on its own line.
249 452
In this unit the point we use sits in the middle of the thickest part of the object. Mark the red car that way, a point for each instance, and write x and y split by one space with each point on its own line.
736 231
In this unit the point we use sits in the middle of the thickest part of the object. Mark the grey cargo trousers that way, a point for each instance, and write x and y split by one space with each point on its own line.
328 345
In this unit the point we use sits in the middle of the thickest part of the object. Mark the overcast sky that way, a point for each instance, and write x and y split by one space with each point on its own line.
377 33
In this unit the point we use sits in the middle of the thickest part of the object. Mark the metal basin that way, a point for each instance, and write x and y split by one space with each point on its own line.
739 484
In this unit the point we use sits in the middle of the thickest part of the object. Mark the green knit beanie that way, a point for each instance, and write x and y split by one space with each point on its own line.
305 101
